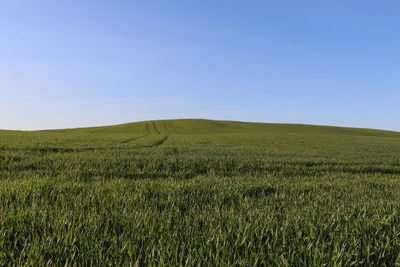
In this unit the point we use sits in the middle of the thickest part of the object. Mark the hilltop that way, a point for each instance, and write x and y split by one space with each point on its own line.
203 126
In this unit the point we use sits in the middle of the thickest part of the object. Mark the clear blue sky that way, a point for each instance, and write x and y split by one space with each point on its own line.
70 63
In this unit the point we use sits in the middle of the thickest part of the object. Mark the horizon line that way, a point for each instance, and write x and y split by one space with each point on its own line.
222 120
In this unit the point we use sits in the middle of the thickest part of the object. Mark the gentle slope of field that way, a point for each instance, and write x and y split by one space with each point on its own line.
201 126
200 192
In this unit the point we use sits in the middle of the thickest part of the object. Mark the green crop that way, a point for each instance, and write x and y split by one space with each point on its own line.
199 192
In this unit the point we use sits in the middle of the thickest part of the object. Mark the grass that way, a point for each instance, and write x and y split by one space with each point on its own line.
200 192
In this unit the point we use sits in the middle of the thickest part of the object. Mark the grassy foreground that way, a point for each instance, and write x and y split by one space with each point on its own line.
199 192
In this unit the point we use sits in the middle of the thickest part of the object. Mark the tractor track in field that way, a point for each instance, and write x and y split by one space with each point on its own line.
133 139
151 128
155 128
159 142
169 127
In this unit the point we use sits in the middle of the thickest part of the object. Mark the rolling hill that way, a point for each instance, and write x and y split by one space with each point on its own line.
203 126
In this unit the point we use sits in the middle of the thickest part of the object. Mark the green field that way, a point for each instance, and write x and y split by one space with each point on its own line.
200 192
